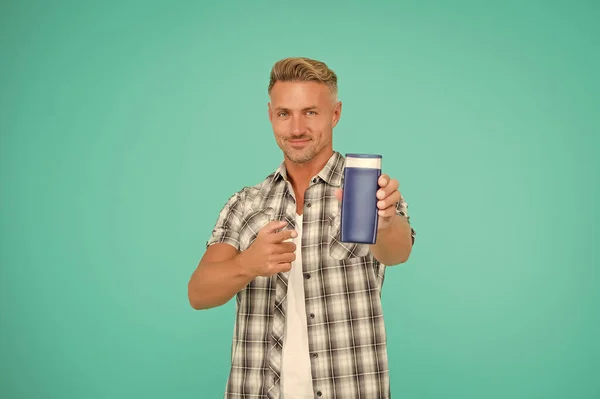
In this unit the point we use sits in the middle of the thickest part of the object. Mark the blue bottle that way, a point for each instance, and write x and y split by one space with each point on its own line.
359 199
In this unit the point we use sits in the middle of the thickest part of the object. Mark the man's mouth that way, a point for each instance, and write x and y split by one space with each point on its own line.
299 141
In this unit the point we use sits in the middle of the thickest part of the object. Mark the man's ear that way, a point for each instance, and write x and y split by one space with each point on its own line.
337 113
270 110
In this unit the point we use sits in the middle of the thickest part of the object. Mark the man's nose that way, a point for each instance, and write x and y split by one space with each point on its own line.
298 126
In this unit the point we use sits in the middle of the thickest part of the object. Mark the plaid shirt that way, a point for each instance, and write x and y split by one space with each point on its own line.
342 285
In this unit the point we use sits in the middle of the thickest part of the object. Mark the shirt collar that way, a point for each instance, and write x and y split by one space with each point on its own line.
331 173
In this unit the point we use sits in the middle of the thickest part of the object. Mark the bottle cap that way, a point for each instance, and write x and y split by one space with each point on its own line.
367 161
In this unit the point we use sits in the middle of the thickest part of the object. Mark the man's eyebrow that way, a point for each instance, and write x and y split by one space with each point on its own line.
279 108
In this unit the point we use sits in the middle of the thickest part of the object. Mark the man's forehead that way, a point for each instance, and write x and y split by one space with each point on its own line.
299 94
295 87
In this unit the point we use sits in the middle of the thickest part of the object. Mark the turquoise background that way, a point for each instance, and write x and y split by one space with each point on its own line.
125 126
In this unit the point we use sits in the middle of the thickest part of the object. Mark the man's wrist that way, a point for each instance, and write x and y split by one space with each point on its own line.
242 267
398 221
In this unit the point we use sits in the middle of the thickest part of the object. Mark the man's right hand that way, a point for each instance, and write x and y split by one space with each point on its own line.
269 254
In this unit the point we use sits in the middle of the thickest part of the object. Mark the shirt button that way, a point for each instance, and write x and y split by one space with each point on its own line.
315 180
315 355
307 275
308 204
312 315
319 393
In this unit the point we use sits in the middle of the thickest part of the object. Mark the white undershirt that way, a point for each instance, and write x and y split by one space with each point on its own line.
296 377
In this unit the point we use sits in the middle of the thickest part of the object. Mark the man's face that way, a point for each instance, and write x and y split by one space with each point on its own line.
303 115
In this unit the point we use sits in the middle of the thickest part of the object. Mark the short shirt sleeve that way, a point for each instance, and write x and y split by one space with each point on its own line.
402 210
227 227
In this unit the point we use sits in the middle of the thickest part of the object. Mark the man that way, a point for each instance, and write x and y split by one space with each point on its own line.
309 319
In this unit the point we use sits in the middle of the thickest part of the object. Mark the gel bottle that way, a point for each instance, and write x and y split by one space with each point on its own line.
359 199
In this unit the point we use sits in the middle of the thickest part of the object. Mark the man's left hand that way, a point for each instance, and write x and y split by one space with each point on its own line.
388 196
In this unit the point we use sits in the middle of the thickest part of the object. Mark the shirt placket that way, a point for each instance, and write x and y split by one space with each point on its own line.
287 211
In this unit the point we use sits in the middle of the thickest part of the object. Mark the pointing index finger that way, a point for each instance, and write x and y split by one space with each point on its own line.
284 235
273 226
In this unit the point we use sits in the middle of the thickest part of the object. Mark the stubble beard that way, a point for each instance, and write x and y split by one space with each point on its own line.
301 156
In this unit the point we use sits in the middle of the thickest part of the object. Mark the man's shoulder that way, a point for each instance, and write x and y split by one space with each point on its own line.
249 193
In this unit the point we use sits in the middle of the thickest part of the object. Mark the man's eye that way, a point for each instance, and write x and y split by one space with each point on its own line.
281 114
311 112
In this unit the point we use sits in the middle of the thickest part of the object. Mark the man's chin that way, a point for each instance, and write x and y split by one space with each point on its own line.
299 156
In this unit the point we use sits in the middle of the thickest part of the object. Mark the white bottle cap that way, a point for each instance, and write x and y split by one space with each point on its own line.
367 161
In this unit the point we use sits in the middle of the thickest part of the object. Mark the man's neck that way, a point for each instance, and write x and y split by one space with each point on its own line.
300 174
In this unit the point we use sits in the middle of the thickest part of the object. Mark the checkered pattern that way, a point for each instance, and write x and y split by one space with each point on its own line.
343 282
